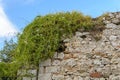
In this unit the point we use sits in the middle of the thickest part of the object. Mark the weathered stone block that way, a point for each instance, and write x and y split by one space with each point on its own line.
57 77
33 72
52 69
61 55
115 21
69 62
56 63
45 63
46 76
111 25
78 78
26 78
55 55
41 70
67 56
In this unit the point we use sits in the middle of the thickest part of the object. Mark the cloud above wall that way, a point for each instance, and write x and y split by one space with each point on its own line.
7 29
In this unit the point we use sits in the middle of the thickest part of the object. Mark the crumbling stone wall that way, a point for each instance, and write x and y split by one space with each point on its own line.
85 58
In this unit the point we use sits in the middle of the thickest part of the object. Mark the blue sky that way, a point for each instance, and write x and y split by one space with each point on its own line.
16 14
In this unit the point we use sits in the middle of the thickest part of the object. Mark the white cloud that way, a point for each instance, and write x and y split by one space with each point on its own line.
7 29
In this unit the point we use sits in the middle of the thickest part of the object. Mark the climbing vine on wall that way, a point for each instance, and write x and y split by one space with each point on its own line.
42 37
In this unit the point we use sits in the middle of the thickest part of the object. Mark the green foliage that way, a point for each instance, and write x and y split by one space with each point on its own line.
8 50
8 69
7 66
41 38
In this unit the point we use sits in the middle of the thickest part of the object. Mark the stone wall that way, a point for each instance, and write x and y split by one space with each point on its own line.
85 58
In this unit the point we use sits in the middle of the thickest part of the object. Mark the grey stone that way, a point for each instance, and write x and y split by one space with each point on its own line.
115 61
111 15
68 78
41 70
115 21
118 16
78 78
113 38
97 62
105 61
26 78
107 22
66 40
52 69
29 78
87 78
56 63
111 25
113 77
34 78
78 34
46 76
85 33
61 55
83 42
45 63
55 55
69 62
33 72
58 77
102 79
